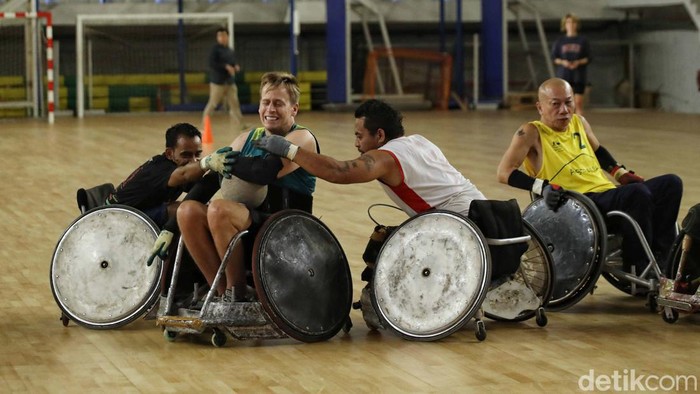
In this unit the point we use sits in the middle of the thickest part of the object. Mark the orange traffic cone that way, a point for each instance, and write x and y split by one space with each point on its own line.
207 137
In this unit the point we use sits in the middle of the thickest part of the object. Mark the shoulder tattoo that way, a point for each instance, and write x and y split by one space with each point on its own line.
520 132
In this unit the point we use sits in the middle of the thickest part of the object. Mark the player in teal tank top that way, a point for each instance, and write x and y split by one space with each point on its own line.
207 229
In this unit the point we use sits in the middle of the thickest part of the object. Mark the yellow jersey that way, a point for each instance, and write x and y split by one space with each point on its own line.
568 159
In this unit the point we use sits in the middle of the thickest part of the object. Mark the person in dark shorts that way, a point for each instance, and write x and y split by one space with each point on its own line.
572 54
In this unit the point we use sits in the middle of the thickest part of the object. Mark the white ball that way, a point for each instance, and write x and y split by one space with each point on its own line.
236 189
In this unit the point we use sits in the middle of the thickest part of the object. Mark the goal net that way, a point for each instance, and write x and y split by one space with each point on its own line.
26 69
404 74
144 62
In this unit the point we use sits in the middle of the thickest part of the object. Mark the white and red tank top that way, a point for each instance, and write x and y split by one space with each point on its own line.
428 180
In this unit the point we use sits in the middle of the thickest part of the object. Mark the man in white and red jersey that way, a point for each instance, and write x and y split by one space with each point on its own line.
412 170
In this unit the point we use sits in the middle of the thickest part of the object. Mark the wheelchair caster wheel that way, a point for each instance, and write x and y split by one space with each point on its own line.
480 330
541 317
169 335
64 320
218 338
669 315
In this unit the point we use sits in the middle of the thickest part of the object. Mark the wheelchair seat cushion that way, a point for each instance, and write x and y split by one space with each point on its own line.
499 220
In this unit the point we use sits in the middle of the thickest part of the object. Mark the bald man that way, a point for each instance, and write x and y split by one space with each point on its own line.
560 152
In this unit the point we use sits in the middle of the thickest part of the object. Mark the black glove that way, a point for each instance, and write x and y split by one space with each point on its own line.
553 196
277 145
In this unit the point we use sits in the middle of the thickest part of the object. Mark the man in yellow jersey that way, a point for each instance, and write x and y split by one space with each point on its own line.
560 151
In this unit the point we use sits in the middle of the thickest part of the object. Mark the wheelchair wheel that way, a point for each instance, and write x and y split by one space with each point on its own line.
302 276
431 276
576 238
98 274
537 272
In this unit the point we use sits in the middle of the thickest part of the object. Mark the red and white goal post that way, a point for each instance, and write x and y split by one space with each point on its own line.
50 91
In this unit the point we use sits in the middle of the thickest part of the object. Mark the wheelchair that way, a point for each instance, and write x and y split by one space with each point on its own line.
98 274
680 291
577 235
432 275
302 282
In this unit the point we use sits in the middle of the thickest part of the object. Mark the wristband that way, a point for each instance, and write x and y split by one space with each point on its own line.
618 171
292 152
538 186
520 180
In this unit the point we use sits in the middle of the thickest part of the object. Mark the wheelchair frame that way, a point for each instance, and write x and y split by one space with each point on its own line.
242 320
648 279
534 243
612 264
261 319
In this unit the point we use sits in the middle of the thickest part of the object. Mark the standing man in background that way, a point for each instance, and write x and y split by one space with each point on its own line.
222 81
571 54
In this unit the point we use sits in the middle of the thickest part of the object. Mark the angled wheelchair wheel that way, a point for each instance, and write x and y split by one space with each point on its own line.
98 275
302 276
431 276
576 238
536 271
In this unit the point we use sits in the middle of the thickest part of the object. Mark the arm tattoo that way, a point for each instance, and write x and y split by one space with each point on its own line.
346 166
369 162
520 132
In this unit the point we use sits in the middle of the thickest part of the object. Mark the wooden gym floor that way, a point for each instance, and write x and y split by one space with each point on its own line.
608 334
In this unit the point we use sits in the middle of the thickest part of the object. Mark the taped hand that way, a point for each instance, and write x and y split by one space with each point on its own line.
277 145
220 161
160 247
553 196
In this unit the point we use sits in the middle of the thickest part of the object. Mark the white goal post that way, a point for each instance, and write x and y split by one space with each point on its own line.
84 20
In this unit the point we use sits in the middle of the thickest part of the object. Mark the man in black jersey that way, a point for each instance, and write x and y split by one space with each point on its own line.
155 186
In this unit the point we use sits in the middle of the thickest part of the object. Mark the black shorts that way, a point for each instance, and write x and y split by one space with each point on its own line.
578 87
